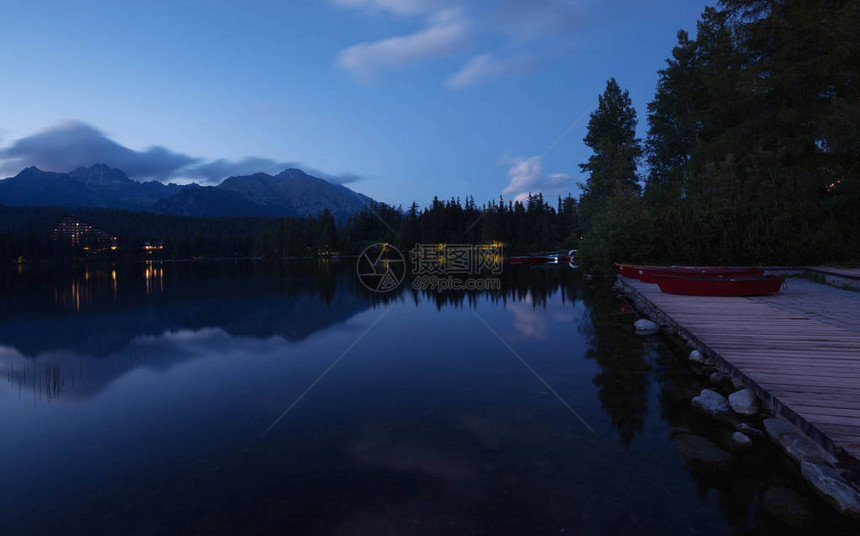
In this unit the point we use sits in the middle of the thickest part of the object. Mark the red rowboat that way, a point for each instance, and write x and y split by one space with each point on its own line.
648 274
526 260
627 270
719 286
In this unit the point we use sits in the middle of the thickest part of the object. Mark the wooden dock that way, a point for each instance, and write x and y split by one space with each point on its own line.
798 350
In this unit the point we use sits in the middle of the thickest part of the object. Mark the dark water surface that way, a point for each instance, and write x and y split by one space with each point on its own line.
137 398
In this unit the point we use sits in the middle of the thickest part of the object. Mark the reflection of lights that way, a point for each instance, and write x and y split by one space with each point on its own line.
154 278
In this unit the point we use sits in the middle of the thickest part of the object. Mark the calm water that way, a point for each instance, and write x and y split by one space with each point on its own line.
136 400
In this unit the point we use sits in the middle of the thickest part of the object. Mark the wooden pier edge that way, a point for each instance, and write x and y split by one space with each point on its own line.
773 404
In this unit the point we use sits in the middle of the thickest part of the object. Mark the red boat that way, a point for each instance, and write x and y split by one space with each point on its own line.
720 286
627 270
648 274
527 260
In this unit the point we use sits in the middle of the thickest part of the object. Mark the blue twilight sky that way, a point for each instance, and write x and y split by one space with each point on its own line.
403 99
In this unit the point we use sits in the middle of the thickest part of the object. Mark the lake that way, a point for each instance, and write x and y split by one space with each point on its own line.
238 397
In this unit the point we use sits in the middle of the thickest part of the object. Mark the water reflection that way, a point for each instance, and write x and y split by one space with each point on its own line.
625 378
153 274
166 374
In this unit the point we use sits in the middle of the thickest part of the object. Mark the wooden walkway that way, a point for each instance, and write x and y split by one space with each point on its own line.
849 273
798 350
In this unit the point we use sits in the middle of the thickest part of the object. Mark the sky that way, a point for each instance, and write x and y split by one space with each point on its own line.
401 100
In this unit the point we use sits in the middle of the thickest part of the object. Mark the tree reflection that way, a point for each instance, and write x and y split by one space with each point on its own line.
624 380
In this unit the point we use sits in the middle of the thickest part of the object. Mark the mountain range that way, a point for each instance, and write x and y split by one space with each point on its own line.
291 192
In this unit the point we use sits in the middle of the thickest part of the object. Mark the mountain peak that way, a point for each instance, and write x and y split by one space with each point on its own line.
29 171
99 174
293 173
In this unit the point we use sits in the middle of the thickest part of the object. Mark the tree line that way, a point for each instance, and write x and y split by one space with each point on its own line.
26 233
522 226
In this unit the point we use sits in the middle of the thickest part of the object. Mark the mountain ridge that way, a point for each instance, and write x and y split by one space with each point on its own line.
292 192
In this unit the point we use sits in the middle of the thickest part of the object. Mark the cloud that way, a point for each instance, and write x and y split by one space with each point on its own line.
400 7
527 176
445 33
220 168
73 144
485 66
528 35
214 171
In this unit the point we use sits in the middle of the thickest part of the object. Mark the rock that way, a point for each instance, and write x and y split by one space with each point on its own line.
719 378
697 357
679 430
787 506
795 443
644 327
738 383
740 441
748 430
744 402
830 485
734 441
697 449
713 404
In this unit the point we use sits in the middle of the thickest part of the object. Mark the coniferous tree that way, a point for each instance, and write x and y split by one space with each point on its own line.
610 207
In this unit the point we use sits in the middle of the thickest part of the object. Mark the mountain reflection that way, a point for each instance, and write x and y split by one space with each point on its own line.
71 334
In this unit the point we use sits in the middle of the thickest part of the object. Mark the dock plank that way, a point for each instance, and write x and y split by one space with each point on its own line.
799 346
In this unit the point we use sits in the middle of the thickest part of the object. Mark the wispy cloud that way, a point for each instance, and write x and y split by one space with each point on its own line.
445 33
527 176
400 7
73 144
526 35
215 170
486 66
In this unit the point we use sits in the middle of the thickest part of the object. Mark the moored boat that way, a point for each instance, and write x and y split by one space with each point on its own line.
544 257
527 259
719 285
627 270
648 274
